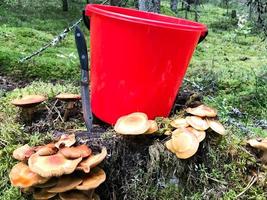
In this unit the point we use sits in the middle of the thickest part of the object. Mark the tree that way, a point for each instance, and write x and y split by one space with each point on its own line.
149 5
65 5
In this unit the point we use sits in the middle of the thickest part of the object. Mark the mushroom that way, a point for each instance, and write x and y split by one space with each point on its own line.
66 183
133 124
43 194
179 122
197 123
70 99
261 145
152 128
23 153
216 126
76 152
66 141
50 183
184 143
92 180
169 146
202 111
53 165
27 105
21 176
73 195
199 134
92 161
46 150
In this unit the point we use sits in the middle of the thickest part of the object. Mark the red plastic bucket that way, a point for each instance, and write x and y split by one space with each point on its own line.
138 60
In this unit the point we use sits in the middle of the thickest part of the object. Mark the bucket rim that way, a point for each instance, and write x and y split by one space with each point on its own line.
103 10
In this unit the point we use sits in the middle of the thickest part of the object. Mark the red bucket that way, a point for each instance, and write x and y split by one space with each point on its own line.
138 60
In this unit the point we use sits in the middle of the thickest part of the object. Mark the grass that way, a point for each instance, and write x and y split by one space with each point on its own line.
228 69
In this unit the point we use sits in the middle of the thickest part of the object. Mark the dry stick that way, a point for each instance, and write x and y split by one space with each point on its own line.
216 180
251 182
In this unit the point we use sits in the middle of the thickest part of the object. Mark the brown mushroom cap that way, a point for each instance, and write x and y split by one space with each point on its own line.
202 111
50 183
216 126
197 123
76 152
184 143
23 153
92 180
92 161
73 195
153 127
133 124
169 146
261 145
21 176
46 150
65 141
43 194
66 183
68 97
179 122
29 100
53 165
199 134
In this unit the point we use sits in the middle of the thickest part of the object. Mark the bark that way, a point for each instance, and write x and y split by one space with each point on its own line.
149 5
174 4
65 5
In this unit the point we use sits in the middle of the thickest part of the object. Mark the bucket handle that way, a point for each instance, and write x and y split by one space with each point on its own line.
86 20
203 35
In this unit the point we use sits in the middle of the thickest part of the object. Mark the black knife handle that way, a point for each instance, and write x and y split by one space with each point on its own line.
82 48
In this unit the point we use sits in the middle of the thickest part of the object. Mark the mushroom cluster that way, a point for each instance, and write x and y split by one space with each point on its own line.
136 123
190 130
61 169
261 145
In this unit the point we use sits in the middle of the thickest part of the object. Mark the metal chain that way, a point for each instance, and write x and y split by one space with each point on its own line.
53 42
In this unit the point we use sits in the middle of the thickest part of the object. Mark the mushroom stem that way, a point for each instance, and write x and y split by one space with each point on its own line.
68 108
27 114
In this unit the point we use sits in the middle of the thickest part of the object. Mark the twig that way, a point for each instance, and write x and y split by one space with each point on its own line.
216 180
251 182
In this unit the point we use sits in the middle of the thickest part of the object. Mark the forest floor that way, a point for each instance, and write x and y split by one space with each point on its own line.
228 71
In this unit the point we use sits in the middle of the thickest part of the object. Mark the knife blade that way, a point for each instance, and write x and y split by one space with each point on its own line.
83 56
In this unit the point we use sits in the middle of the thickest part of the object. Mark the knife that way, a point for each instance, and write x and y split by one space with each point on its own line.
83 55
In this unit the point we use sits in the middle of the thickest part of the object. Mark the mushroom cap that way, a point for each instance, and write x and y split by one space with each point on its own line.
73 195
261 145
167 132
21 176
46 150
93 179
92 161
169 146
184 143
179 122
197 123
76 152
216 126
50 183
28 100
53 165
201 135
68 97
202 111
66 183
23 153
66 140
133 124
153 127
43 194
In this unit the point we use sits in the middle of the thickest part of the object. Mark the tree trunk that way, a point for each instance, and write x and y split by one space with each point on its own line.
115 2
174 4
196 11
65 5
149 5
